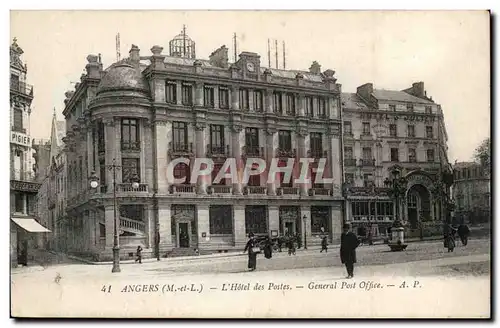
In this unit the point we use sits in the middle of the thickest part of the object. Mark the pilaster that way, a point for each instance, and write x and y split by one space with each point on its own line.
164 228
270 150
235 98
160 143
109 221
335 224
273 219
239 230
203 220
201 184
236 131
306 224
110 150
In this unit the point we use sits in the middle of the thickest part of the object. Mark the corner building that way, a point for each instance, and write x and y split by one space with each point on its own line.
145 111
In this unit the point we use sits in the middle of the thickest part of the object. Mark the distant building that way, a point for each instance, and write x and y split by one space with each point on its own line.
24 226
51 172
383 128
471 193
145 111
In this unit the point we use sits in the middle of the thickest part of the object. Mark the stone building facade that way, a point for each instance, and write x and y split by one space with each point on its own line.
23 187
471 193
384 128
144 112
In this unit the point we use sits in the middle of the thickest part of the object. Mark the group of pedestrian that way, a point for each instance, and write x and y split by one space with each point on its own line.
463 233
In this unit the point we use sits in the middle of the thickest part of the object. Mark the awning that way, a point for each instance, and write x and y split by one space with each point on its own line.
30 225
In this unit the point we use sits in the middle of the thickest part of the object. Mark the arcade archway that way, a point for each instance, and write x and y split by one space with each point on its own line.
418 205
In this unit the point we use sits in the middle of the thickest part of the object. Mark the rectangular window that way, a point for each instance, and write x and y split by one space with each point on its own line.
223 98
256 219
393 130
429 132
428 109
360 211
18 120
171 92
290 104
257 100
309 106
277 103
285 140
409 107
179 136
101 145
252 141
385 210
347 128
130 167
187 94
215 171
102 173
182 170
322 107
319 219
392 108
394 155
412 155
19 202
208 96
411 131
221 220
244 103
217 137
367 154
130 134
430 155
14 82
366 128
348 153
316 144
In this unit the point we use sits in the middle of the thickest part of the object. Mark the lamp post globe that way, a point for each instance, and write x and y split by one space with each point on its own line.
135 181
94 180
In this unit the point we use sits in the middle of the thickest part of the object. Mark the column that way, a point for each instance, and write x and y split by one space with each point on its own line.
274 219
149 226
201 184
147 153
198 94
300 101
301 140
236 152
251 105
118 150
216 97
239 230
203 225
109 222
268 101
164 227
335 224
270 135
161 156
306 210
334 157
92 229
110 148
235 98
178 92
25 203
90 153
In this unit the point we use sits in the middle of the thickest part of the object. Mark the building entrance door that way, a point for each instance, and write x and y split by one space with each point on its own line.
183 228
290 228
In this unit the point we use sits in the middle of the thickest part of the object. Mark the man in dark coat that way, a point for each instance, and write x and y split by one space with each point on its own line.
348 244
268 248
252 254
463 233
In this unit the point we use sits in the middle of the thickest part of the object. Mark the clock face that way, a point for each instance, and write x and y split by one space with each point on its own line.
250 67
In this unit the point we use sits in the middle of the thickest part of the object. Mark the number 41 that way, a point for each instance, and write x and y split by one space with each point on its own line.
106 289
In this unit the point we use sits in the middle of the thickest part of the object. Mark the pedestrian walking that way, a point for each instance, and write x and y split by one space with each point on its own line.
449 239
348 244
324 245
291 246
268 248
138 254
463 233
280 243
253 249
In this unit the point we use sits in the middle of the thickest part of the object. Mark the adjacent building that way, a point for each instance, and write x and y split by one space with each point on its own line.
471 193
130 120
385 128
24 226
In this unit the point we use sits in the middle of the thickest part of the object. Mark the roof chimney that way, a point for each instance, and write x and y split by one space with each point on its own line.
219 58
134 54
365 91
418 89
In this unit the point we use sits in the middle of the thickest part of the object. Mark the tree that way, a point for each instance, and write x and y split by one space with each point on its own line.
482 154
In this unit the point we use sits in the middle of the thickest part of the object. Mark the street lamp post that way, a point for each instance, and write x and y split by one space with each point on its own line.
304 218
397 189
94 183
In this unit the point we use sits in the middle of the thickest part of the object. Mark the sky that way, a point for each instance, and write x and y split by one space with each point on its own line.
448 50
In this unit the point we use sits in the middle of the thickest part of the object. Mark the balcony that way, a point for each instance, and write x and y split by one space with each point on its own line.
127 187
20 175
183 189
16 128
317 153
217 150
255 190
131 145
350 162
180 149
284 191
134 225
286 153
255 152
320 192
21 87
220 189
367 162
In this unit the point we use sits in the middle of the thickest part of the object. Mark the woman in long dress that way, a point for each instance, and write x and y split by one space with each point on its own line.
252 256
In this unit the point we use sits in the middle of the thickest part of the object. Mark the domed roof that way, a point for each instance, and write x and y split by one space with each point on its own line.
123 76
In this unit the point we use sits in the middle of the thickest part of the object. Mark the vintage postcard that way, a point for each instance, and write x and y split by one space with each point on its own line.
250 164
